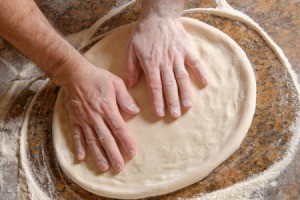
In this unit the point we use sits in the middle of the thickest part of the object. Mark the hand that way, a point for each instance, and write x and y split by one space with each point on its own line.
92 97
162 48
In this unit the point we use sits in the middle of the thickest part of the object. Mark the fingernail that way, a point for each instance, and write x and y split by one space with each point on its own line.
187 103
160 112
118 167
103 165
80 154
175 111
205 80
131 153
134 108
128 83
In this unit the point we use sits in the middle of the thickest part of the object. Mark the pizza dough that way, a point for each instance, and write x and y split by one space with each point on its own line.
172 154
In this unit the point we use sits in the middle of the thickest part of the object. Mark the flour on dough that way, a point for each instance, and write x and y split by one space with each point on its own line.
171 154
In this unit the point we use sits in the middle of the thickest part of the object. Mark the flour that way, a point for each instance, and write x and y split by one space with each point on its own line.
35 192
222 4
245 190
84 38
15 82
13 137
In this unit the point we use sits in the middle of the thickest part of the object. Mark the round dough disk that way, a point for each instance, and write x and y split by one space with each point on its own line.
171 154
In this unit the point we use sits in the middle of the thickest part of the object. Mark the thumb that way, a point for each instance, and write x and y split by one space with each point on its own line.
192 61
132 67
125 100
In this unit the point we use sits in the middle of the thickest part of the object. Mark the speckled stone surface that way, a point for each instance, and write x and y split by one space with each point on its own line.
276 98
280 19
70 16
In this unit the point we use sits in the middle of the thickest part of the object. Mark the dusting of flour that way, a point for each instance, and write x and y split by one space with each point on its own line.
13 132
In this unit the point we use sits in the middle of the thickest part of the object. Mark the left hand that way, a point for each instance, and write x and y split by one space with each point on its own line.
162 49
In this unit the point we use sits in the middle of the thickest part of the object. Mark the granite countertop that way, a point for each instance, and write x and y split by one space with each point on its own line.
280 19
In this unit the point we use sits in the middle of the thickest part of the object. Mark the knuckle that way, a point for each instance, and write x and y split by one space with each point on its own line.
166 66
155 85
149 61
129 73
134 41
77 142
169 82
99 157
151 74
91 117
103 137
104 103
195 63
91 140
119 130
175 45
154 82
116 125
182 75
76 136
125 100
119 81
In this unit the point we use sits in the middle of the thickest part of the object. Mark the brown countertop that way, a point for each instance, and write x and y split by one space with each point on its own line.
281 20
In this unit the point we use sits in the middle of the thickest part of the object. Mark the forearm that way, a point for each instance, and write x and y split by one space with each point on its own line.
24 26
161 8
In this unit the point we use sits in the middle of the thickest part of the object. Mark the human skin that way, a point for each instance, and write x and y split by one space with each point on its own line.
93 96
159 46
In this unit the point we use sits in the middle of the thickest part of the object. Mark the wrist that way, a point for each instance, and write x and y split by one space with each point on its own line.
161 9
69 71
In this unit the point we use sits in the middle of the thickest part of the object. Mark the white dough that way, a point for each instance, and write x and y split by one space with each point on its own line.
171 154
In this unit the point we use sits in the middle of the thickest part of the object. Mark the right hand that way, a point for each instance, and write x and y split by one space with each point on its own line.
161 48
92 96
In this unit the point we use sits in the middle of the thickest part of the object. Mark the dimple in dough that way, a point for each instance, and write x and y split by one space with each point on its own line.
171 154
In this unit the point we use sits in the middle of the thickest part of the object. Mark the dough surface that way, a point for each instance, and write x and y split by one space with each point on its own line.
171 154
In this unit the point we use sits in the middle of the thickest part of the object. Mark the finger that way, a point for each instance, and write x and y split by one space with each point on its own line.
192 61
132 67
183 82
171 90
113 117
79 142
109 144
125 100
155 89
94 145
